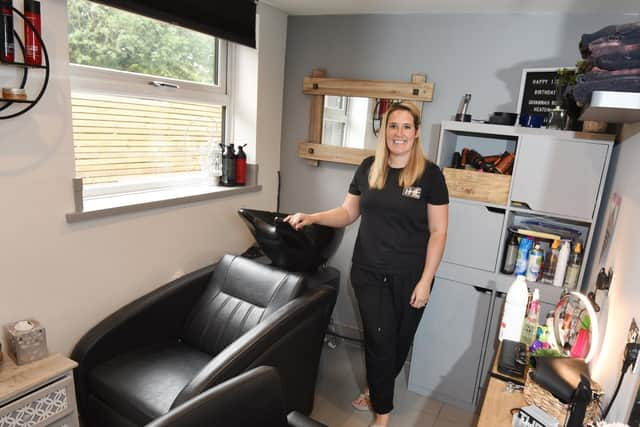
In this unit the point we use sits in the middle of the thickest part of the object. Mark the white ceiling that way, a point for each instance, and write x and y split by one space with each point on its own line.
339 7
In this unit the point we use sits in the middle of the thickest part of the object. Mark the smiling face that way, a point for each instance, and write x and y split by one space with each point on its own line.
401 134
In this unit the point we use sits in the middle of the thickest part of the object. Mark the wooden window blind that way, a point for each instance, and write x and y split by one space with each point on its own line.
119 138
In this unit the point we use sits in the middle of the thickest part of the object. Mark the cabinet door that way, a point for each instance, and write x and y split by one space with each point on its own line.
492 343
559 176
473 236
448 344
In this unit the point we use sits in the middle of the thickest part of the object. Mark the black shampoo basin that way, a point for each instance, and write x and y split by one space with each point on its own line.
302 250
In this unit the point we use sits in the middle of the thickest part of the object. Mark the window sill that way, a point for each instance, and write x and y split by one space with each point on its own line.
137 202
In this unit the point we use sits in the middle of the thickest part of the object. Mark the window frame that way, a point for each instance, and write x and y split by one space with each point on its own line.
104 81
87 78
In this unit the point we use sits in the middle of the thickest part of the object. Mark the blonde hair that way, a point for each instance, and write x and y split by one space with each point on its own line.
417 161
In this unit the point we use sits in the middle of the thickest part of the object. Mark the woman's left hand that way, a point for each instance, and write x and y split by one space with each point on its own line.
420 295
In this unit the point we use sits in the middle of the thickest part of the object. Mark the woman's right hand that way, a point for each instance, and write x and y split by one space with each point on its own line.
299 220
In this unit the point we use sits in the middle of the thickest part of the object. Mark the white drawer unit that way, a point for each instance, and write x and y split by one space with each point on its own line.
38 394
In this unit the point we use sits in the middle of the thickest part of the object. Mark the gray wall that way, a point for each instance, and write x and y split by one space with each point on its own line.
482 54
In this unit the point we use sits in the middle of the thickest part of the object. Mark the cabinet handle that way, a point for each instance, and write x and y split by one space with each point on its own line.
520 204
158 83
495 210
500 294
482 290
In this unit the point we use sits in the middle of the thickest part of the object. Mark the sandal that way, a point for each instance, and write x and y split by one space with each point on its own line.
362 402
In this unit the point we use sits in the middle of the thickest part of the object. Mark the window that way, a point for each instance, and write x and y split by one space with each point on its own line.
148 100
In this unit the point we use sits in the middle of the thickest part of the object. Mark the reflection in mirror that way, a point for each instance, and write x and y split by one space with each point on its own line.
349 121
576 326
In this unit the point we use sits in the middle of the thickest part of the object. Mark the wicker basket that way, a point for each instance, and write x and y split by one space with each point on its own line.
534 394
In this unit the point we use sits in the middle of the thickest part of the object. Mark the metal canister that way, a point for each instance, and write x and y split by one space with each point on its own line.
534 264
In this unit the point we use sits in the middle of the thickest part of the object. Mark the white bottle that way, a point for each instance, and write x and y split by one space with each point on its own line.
561 266
515 308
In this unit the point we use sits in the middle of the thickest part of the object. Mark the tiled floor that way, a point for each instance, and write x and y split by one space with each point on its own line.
340 378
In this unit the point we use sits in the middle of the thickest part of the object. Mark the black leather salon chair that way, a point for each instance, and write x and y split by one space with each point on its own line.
252 399
198 331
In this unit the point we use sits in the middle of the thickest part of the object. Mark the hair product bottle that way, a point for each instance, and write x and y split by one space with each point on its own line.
510 255
530 324
32 47
229 167
7 45
550 265
561 266
573 268
534 263
515 307
524 247
241 166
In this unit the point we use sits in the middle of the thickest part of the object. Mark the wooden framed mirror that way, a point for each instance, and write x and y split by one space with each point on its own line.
345 115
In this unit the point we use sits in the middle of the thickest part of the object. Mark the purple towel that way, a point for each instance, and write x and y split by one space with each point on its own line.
612 32
583 90
616 61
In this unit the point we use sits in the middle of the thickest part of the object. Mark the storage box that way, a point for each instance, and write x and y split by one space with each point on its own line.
28 341
476 185
534 394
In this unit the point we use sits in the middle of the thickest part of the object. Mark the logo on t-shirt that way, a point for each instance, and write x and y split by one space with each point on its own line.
413 192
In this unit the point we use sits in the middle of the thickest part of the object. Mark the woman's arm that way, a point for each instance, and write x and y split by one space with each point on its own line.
438 217
338 217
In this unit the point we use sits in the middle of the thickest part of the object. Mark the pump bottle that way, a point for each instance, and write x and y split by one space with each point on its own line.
241 166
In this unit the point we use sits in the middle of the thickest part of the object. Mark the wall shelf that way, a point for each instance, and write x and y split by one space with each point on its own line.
6 110
613 107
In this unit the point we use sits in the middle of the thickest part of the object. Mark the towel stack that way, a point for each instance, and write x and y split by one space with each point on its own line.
612 57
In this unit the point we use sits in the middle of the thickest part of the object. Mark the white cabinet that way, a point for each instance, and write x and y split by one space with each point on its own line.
559 176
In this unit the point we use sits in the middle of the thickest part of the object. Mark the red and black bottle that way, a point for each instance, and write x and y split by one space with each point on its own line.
32 46
7 45
241 166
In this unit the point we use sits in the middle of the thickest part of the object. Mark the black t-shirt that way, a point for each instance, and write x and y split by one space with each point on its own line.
394 228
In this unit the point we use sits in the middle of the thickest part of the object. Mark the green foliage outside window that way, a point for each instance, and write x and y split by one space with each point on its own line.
110 38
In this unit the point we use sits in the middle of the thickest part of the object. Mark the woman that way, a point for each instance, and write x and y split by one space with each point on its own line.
403 201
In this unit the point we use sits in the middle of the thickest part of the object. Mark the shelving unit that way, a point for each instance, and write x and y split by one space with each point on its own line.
558 177
6 110
613 107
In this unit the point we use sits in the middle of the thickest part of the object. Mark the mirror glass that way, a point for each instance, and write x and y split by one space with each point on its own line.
576 326
350 121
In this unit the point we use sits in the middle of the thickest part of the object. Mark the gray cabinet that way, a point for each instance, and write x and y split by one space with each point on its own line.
559 176
448 344
474 235
558 179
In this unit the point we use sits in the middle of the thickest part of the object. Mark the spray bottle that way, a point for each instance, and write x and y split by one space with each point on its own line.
530 324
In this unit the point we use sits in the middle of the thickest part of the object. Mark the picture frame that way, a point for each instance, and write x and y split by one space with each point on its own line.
538 91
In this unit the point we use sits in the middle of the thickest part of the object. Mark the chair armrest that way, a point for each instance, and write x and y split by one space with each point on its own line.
264 343
296 419
153 318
